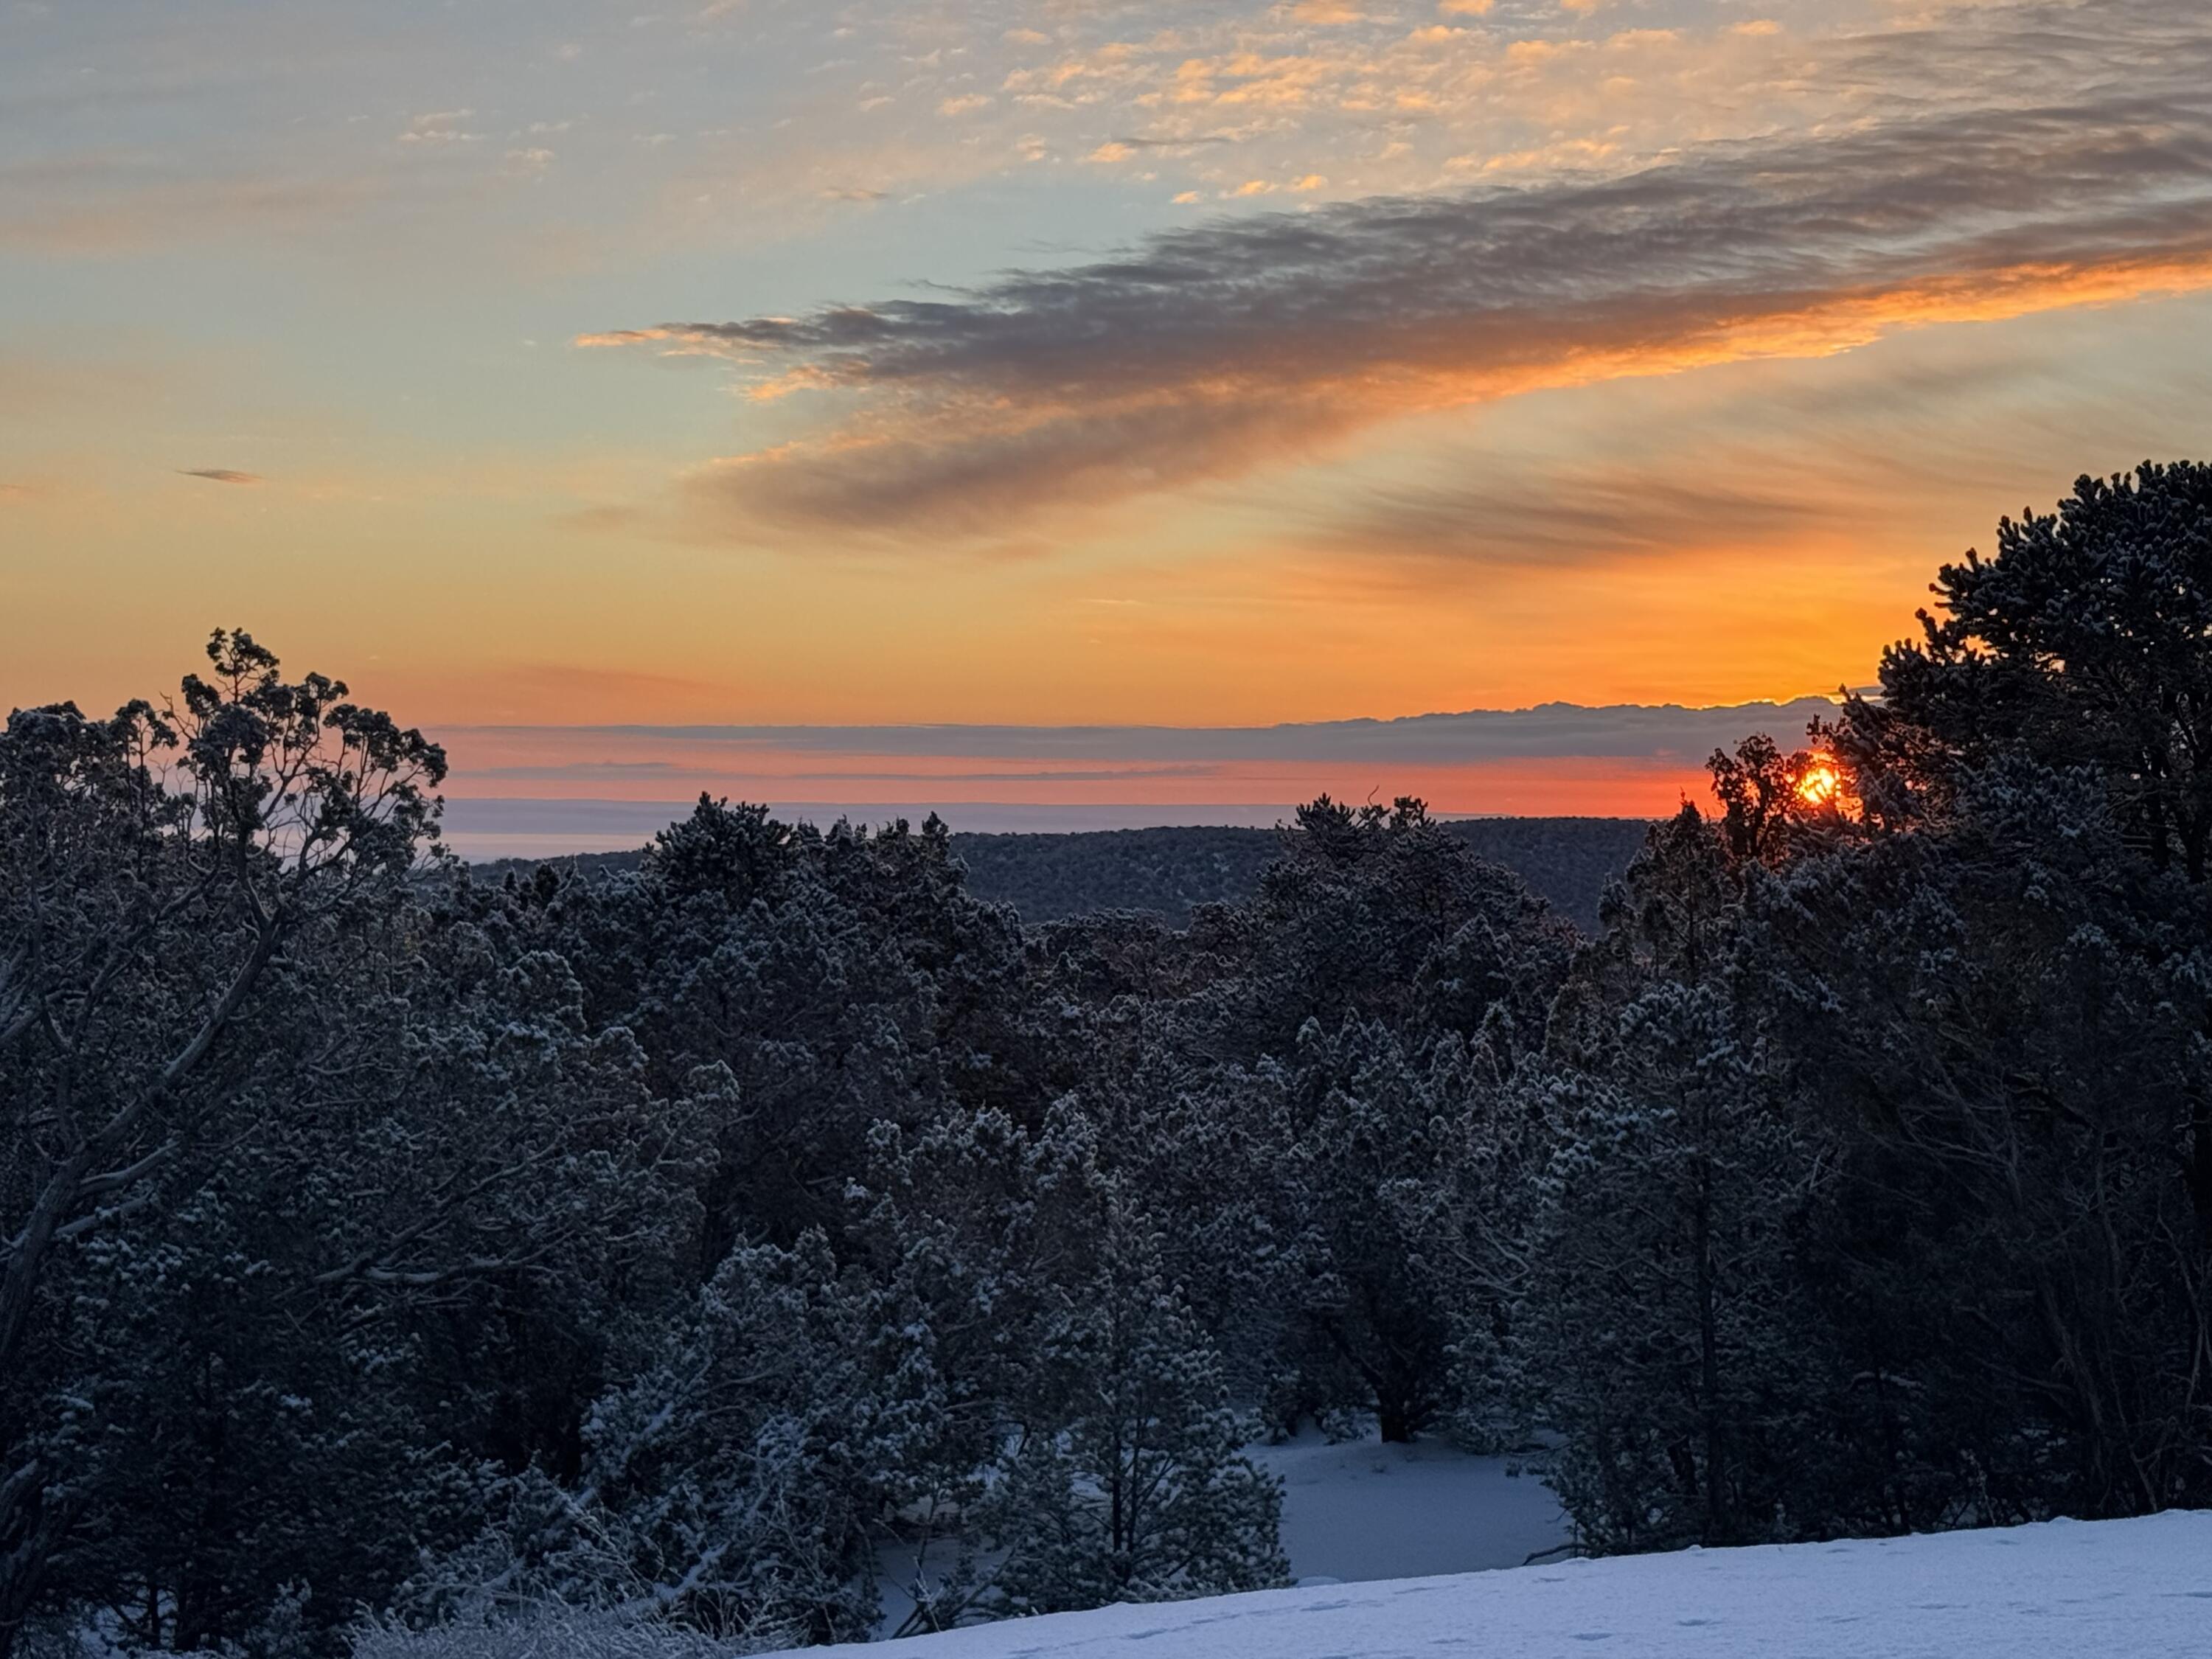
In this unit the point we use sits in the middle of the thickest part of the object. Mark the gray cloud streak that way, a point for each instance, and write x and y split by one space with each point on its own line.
1205 352
1549 731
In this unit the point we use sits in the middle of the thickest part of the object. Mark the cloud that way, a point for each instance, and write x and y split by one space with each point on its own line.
1121 149
602 769
1550 731
103 203
220 475
1592 513
443 126
615 771
1907 452
1056 774
1206 353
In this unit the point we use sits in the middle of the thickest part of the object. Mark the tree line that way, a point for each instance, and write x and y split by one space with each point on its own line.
1052 875
716 1244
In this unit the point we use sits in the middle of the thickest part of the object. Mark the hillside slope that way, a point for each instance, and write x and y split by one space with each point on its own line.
2115 1590
1047 876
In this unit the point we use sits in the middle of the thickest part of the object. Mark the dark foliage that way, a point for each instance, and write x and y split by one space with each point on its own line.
690 1237
1171 873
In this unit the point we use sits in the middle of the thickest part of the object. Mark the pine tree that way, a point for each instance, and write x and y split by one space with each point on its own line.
1663 1313
1128 1485
732 1488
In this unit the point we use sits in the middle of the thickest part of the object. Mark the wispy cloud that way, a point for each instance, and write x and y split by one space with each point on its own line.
106 203
602 770
1550 731
444 126
1206 353
1595 512
220 475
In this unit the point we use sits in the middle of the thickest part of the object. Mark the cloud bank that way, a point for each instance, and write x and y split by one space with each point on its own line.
1557 731
556 788
1205 353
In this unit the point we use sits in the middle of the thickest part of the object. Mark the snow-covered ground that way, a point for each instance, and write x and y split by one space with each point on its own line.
2107 1589
1364 1510
1360 1510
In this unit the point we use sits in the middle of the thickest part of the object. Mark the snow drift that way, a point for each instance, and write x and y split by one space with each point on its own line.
2109 1590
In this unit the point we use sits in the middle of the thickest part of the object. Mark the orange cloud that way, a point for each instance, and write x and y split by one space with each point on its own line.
1208 353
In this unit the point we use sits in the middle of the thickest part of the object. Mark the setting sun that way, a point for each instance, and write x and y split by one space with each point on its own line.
1819 784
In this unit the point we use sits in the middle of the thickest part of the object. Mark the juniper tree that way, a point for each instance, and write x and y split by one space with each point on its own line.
1376 1175
732 1486
1124 1481
1996 1022
2082 641
1663 1313
838 978
308 1169
164 869
1378 913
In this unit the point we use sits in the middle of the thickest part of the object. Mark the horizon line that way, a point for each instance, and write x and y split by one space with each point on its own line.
1555 705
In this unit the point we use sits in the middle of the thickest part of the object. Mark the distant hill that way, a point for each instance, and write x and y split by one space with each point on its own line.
1046 877
1566 860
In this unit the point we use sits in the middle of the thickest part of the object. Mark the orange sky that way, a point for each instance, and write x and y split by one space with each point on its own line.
1218 362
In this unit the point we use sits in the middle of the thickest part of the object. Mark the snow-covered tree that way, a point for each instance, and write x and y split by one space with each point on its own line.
732 1486
1379 1171
1663 1316
1998 1022
371 1209
2080 642
1124 1481
178 882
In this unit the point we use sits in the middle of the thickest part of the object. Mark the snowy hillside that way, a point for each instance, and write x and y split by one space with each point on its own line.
1361 1510
1358 1509
2113 1589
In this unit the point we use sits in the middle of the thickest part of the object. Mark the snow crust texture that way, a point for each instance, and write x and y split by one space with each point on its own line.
2109 1590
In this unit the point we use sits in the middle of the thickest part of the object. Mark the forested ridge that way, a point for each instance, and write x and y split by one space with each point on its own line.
387 1251
1567 862
1050 877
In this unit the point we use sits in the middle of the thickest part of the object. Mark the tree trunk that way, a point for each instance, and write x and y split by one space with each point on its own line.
2196 1168
34 1519
1715 1530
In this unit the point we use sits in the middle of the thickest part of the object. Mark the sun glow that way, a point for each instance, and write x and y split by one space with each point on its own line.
1819 784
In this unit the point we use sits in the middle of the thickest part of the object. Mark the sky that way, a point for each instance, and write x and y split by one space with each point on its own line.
575 378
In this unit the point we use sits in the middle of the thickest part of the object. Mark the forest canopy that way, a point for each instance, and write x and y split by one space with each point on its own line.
385 1247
